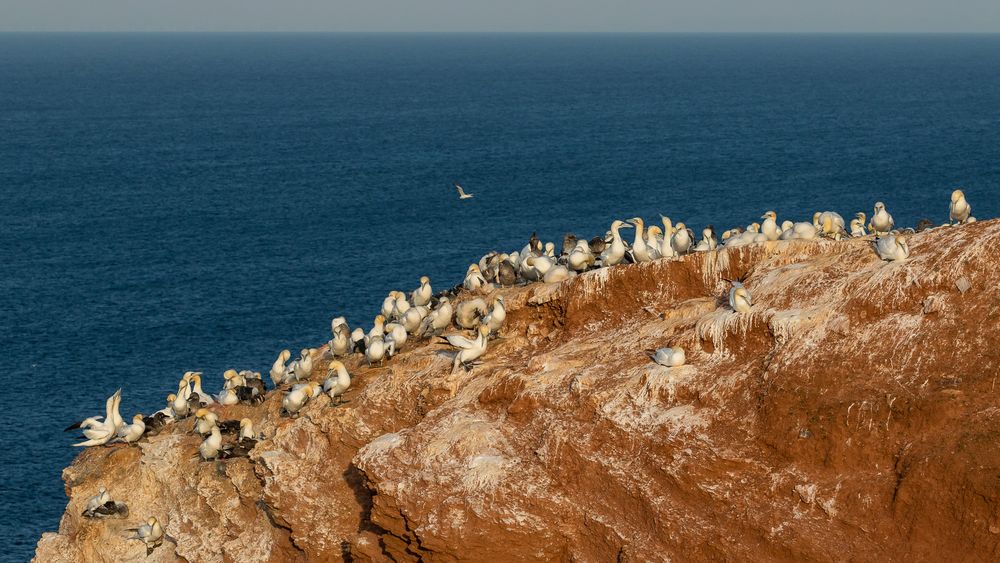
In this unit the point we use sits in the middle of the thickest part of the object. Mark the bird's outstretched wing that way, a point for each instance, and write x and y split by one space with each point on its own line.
458 341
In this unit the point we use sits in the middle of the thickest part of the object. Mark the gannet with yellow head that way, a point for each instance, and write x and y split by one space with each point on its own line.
959 210
338 381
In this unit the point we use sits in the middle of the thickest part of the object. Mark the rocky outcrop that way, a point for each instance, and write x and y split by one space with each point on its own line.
853 414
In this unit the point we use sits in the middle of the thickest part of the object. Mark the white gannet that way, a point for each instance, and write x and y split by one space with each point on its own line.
298 396
377 330
474 279
151 534
858 225
340 345
231 378
666 242
229 397
580 258
180 404
497 315
422 295
829 223
338 381
892 247
130 433
461 192
640 250
375 350
438 319
708 241
395 338
388 303
93 503
204 398
959 210
739 298
205 420
654 241
211 448
303 368
469 312
246 431
769 227
615 252
680 243
400 306
96 426
279 371
106 430
881 222
469 350
102 505
413 317
669 357
799 231
550 249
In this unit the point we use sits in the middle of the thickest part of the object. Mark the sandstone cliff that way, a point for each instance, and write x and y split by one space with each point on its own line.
852 415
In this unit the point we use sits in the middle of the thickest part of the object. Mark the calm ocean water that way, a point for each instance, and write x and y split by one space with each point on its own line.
176 202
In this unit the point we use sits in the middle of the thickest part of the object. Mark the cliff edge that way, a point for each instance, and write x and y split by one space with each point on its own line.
852 414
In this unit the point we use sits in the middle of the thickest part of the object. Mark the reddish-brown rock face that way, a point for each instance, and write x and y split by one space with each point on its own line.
851 415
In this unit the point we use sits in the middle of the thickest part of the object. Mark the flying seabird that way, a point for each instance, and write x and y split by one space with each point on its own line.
461 192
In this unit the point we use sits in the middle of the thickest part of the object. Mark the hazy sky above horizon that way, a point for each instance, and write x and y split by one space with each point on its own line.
502 15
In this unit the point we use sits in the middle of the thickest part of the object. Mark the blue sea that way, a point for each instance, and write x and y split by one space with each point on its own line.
199 201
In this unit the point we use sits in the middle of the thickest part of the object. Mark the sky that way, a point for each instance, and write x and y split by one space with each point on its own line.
503 15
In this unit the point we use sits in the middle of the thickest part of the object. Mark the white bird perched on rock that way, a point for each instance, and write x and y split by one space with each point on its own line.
680 243
881 222
422 295
474 279
203 399
413 317
211 448
615 251
892 247
279 371
769 228
228 397
580 258
799 231
395 338
669 357
302 367
298 396
498 314
102 505
469 350
246 431
708 240
375 349
858 226
959 210
640 250
341 343
205 420
739 298
468 313
338 381
100 433
131 433
151 534
388 303
438 319
654 241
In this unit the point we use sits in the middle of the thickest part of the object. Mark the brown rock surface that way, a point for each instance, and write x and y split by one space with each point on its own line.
852 415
